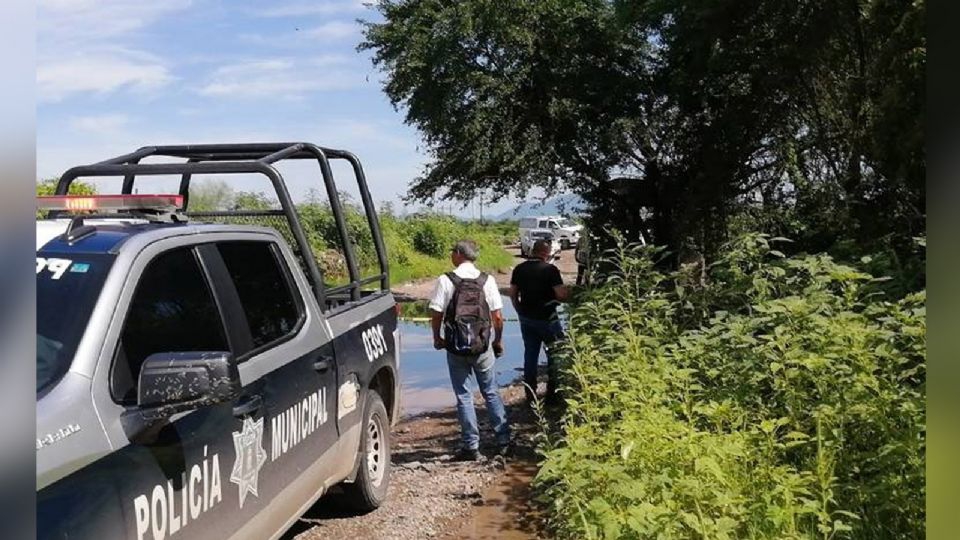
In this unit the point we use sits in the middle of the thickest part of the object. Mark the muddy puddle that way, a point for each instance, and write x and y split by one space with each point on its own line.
506 510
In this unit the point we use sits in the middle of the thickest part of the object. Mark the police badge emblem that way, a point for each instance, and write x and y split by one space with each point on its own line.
250 457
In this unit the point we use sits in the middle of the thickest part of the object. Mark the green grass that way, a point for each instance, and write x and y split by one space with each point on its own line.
419 247
417 267
494 258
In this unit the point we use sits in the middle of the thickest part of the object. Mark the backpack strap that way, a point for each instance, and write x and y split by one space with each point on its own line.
451 305
482 281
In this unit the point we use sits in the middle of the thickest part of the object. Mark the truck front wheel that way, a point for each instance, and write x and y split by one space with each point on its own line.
369 490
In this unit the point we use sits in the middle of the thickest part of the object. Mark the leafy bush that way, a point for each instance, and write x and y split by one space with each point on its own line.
417 247
433 236
782 399
407 263
48 186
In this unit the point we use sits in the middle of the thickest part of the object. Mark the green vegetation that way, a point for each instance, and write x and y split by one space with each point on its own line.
754 392
806 117
77 187
419 246
779 397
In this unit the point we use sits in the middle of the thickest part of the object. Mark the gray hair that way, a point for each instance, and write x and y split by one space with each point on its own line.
467 248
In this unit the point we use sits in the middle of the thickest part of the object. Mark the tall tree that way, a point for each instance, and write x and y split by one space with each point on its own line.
789 114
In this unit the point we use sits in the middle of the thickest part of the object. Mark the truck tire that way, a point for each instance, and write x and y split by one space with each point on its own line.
369 490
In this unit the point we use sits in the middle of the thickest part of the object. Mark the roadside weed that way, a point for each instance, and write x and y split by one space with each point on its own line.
783 398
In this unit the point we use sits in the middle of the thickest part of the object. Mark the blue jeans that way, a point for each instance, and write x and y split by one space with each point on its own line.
461 367
537 333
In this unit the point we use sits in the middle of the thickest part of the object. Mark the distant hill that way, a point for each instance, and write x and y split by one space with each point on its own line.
566 205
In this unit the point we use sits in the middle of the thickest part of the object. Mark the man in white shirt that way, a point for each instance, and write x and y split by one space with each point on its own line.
463 255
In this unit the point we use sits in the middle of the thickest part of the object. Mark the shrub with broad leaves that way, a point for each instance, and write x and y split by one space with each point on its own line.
783 398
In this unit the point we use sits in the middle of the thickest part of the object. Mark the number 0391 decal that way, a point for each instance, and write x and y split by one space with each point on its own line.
373 342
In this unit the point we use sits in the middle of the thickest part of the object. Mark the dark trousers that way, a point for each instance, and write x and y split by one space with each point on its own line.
537 333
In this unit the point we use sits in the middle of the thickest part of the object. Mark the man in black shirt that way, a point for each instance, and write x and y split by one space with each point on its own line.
535 290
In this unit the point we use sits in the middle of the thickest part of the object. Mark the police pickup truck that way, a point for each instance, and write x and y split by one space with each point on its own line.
197 378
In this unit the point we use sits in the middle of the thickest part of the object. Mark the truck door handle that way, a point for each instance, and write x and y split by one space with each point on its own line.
323 364
247 405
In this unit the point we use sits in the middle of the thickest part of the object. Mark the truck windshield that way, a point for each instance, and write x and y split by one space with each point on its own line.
68 285
566 222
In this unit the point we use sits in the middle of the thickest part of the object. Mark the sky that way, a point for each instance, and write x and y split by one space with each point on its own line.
115 75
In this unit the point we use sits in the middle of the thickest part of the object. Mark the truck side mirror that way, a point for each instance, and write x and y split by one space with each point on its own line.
174 382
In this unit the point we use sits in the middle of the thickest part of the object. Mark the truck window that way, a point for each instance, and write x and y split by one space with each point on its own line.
263 284
68 286
172 311
543 224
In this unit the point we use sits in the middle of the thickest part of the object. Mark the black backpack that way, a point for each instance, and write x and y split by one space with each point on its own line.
466 324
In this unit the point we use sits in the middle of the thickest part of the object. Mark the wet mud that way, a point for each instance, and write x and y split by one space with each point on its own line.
506 510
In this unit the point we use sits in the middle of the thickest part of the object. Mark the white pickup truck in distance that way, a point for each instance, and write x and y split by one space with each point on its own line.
566 231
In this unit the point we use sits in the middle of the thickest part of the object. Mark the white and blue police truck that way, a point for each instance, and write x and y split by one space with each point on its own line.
199 378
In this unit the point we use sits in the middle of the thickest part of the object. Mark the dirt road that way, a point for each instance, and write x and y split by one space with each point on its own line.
432 497
421 289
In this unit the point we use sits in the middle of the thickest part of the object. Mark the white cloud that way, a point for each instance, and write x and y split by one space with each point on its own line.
299 9
88 46
306 39
284 78
325 60
334 31
102 124
99 73
86 22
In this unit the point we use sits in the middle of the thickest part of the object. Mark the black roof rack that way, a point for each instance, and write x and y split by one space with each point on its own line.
257 158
